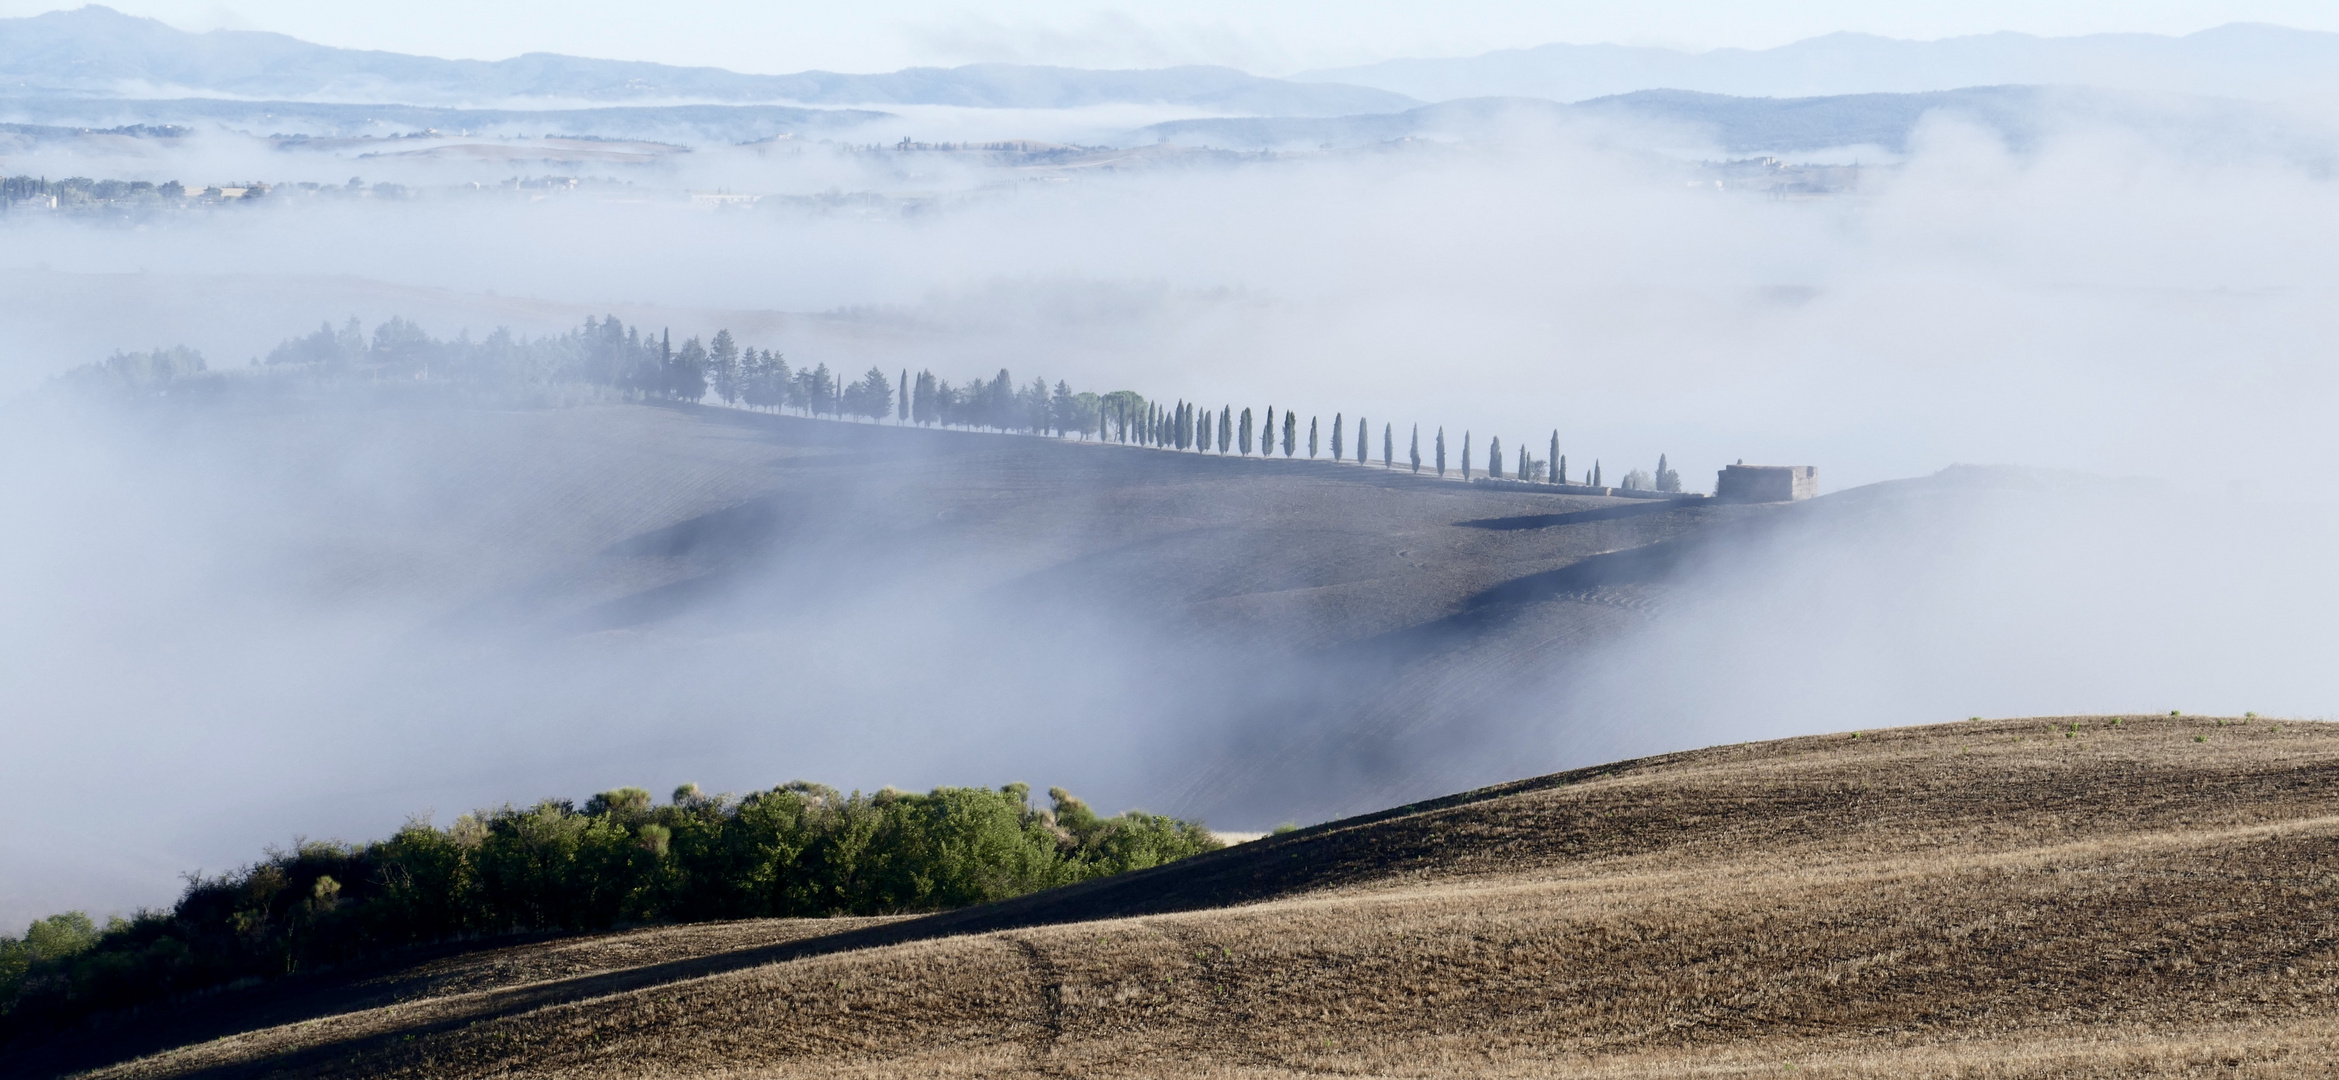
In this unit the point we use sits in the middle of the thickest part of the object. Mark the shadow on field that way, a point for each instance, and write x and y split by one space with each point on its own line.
1333 854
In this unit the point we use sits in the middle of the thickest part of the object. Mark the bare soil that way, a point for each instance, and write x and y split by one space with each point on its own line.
2081 896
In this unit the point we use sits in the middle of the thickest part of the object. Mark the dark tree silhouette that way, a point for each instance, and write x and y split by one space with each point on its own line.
1246 437
1226 427
902 414
1290 431
1339 424
1311 437
1493 457
1558 463
1441 451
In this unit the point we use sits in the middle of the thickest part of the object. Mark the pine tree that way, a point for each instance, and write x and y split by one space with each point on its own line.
1290 431
1311 437
1246 438
1267 433
902 413
724 368
1493 457
1339 424
1061 407
1558 463
1441 451
1225 427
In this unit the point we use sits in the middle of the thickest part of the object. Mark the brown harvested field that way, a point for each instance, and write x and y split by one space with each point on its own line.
2155 896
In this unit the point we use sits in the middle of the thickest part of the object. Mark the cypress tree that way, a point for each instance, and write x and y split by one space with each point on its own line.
1311 437
1465 455
1493 457
1415 451
1202 433
1561 468
901 414
1596 482
1246 439
1290 431
1225 431
1389 446
1441 451
1267 434
1557 462
1364 439
1526 465
1339 424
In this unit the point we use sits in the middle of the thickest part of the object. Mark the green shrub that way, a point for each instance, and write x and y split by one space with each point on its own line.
801 849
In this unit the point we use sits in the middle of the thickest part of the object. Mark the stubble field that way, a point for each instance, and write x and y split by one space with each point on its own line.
2086 896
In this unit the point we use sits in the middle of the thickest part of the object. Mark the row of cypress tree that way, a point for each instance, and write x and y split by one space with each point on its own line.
608 353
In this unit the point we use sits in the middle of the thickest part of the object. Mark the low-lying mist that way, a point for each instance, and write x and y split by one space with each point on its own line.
233 622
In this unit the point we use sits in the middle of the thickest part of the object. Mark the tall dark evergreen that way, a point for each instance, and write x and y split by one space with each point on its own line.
1202 432
902 414
1561 468
1596 480
1311 437
1493 457
1267 433
1389 447
1226 428
1290 431
1246 436
1339 424
1557 463
1465 455
1364 440
724 367
1441 451
686 372
1415 452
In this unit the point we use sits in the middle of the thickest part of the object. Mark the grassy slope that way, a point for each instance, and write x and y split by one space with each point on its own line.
2001 898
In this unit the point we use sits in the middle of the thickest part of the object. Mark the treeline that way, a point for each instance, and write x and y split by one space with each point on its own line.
78 190
797 850
610 356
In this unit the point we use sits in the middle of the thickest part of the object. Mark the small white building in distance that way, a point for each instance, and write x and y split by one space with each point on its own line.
1766 483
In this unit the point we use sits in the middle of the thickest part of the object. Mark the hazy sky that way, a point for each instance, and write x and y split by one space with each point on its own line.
1267 36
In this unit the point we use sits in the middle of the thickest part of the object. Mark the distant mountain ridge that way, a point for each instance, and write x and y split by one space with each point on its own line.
2238 60
98 52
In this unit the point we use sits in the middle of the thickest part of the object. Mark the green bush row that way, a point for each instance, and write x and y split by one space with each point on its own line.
798 850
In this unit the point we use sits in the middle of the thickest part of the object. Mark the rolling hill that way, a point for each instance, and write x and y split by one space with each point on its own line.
2069 896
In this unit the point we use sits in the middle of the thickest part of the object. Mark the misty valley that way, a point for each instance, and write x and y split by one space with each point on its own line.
1603 560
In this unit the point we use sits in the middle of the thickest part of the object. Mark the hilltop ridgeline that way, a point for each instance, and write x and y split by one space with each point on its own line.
605 356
